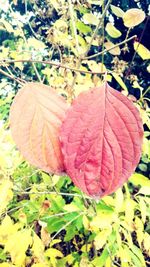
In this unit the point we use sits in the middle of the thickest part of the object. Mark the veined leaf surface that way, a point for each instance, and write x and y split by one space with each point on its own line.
35 119
101 140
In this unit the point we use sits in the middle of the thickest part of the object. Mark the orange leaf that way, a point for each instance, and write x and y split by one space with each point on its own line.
36 115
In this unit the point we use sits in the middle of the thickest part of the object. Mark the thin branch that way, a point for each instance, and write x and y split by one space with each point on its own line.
11 77
68 223
107 50
91 41
50 193
50 63
97 27
58 214
73 24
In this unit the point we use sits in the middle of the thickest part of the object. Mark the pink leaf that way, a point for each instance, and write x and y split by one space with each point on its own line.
101 140
35 119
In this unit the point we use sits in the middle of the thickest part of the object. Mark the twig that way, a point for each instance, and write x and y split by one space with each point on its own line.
73 24
97 27
25 40
91 41
107 50
11 77
50 192
50 63
103 34
131 63
68 223
58 214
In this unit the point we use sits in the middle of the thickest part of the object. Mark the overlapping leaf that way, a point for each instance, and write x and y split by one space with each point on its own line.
101 140
35 119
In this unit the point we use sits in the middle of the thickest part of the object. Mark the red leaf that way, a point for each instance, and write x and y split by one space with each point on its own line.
101 140
35 119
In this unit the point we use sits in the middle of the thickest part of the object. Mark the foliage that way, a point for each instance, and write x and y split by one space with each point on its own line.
45 220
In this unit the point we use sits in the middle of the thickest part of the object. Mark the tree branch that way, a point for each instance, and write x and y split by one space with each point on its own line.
20 81
107 50
50 63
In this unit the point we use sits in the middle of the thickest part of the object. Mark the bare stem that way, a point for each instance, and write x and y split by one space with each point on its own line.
98 26
11 77
73 24
50 193
50 63
91 41
68 223
107 50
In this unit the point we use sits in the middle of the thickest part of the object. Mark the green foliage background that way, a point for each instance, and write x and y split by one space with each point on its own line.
45 219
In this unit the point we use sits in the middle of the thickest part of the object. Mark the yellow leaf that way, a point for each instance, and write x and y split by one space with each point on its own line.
139 230
37 44
119 200
101 238
38 248
108 262
139 179
145 190
117 11
17 246
71 207
52 252
124 255
7 228
45 237
112 30
40 265
120 81
7 25
143 209
129 211
6 194
146 147
146 242
86 222
90 18
142 51
6 264
132 17
103 220
115 51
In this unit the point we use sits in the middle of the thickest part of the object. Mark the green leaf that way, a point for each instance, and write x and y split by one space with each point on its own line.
70 232
112 30
53 225
90 18
83 28
139 255
117 11
100 261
